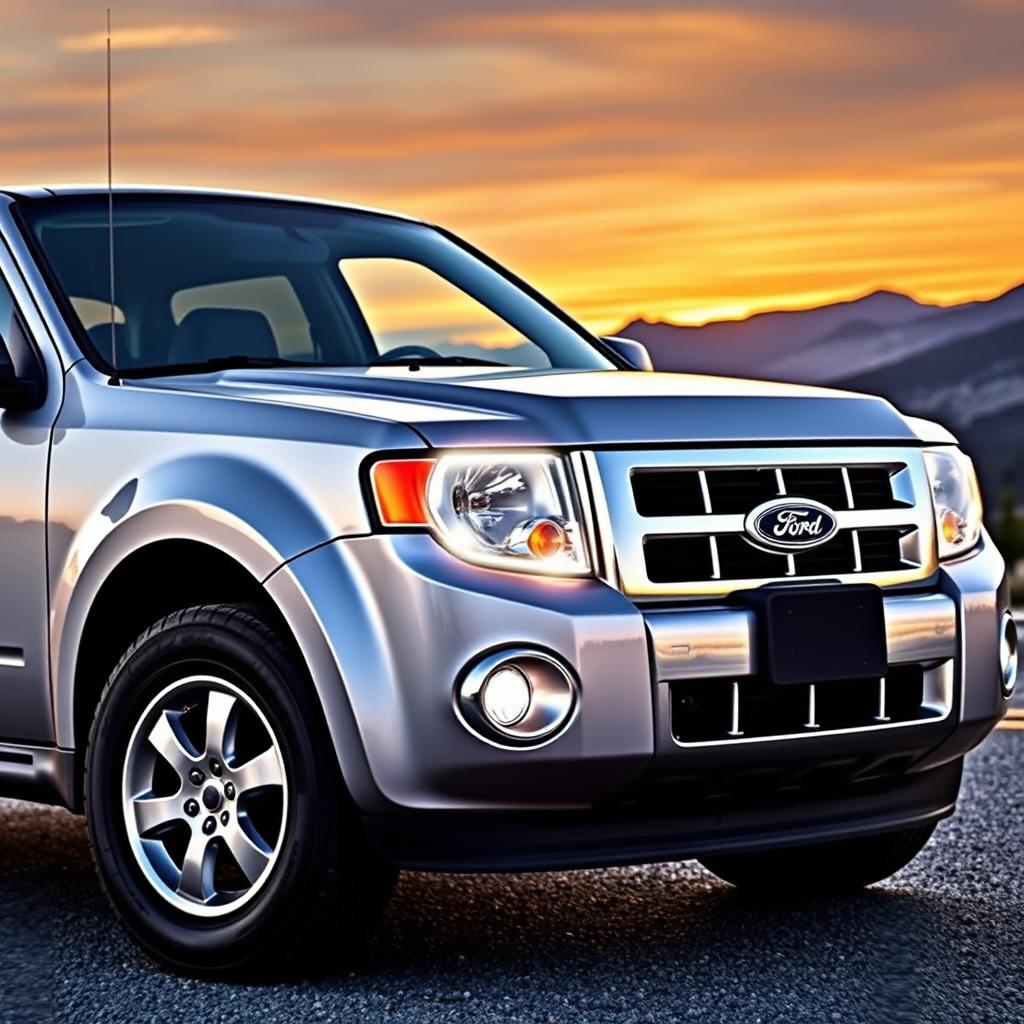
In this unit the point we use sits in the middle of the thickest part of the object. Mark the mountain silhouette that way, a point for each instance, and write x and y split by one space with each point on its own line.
728 346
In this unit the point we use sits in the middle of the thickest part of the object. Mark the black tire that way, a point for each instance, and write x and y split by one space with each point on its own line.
821 869
325 887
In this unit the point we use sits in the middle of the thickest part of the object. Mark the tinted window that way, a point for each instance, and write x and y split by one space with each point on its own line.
205 277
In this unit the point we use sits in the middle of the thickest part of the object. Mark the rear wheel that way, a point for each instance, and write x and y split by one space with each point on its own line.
217 817
822 868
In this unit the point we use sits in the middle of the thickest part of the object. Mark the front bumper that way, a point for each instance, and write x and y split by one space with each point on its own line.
403 618
648 832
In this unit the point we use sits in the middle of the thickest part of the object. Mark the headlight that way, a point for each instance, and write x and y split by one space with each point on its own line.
511 511
956 500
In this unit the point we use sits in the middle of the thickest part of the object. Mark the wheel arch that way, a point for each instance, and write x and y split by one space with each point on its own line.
115 601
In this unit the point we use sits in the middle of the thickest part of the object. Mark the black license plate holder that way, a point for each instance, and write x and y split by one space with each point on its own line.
819 634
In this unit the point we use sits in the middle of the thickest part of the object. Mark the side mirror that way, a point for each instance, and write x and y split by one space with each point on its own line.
633 352
18 393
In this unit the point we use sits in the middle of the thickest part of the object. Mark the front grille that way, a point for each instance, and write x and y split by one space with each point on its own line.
871 487
667 493
717 710
738 559
678 558
693 557
879 549
739 490
678 526
825 484
680 492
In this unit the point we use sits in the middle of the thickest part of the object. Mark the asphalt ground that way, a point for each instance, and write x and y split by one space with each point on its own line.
942 941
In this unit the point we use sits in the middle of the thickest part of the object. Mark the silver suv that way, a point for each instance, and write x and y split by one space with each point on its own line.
332 548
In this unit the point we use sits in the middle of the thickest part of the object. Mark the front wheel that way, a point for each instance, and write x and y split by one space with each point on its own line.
822 868
216 813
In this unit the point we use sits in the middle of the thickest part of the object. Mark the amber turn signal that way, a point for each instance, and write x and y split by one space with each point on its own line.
400 489
547 539
952 526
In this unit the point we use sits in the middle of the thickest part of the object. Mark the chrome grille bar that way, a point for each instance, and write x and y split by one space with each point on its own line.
735 730
812 713
881 716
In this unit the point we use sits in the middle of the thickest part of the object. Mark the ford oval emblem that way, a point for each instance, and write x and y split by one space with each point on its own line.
791 524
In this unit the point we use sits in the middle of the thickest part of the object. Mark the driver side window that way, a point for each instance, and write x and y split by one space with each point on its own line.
406 305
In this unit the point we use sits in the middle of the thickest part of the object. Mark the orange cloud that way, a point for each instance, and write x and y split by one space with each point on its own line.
655 158
150 37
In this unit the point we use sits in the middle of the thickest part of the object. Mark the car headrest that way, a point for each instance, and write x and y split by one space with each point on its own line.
212 333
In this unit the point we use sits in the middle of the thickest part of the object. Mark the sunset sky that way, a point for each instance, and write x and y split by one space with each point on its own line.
672 160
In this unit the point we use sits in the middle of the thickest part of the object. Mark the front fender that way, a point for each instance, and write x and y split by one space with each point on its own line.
245 510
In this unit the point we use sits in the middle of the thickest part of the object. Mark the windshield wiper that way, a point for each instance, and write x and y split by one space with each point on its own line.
243 362
236 362
435 361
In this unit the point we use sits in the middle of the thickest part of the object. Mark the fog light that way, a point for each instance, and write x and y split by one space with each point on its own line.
517 698
505 696
1008 653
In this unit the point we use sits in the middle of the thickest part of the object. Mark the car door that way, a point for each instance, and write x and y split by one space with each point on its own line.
26 716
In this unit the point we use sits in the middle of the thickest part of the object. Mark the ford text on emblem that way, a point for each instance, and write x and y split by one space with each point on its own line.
791 524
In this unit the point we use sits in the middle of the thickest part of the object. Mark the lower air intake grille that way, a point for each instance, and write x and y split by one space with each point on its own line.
714 710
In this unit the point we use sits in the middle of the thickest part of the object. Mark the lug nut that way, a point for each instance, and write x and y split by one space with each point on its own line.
196 777
216 768
224 817
229 790
191 808
209 825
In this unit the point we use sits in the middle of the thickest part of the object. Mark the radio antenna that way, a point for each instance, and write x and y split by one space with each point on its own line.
114 378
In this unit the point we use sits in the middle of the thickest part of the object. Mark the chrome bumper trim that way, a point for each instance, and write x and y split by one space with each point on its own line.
704 643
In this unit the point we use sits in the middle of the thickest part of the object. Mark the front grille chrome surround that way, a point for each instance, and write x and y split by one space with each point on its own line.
898 528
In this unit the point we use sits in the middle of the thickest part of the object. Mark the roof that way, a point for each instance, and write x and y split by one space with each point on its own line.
43 191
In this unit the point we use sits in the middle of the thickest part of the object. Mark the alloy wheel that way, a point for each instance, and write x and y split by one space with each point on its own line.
205 796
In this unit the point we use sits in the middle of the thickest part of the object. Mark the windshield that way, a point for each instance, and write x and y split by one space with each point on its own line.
207 281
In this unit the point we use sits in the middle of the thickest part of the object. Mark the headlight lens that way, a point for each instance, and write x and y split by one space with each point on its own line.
510 511
956 500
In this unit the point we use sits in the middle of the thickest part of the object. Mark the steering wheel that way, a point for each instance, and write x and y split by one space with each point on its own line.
396 355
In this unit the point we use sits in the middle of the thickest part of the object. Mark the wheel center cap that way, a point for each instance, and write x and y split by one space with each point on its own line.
212 797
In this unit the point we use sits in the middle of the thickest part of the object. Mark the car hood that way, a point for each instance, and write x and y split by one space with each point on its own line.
473 407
